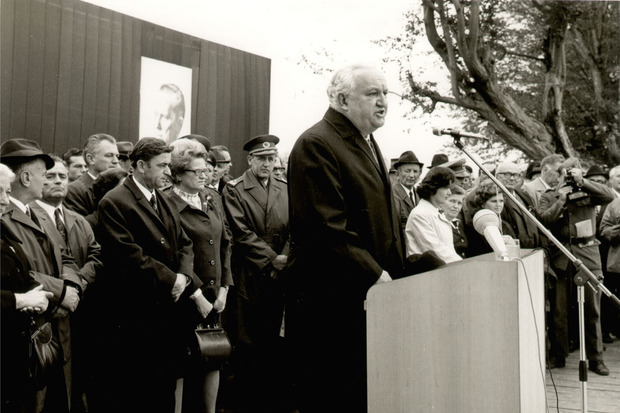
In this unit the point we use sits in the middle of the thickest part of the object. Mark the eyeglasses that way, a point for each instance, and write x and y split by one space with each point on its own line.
280 169
198 172
510 175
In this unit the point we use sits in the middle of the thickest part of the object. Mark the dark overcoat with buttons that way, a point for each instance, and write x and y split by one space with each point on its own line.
258 219
344 232
211 243
143 250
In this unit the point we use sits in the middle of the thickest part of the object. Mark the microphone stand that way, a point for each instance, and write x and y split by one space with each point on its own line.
579 280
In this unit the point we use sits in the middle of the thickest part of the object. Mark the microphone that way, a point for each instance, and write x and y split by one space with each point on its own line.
457 133
486 223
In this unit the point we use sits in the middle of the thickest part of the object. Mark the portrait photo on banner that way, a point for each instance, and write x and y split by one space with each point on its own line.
165 100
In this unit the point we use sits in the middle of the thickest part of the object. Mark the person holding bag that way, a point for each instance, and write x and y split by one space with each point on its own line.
202 220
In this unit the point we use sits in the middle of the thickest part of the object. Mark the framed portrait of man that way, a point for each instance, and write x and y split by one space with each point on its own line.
165 100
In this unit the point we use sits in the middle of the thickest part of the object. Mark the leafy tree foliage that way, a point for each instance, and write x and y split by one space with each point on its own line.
541 75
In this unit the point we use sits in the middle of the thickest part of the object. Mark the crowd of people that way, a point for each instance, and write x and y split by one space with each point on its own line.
113 254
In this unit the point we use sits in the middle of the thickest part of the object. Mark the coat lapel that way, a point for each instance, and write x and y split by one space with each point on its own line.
256 190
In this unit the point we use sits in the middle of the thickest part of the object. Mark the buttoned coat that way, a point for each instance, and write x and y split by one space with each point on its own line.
344 233
80 197
142 250
51 266
211 243
258 219
344 225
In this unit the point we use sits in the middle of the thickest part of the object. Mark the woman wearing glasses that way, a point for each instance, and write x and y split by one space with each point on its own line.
191 167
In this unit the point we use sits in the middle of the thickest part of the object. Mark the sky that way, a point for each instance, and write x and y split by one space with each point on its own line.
333 33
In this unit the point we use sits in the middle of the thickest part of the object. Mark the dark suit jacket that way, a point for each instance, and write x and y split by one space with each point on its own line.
524 228
344 227
142 251
403 203
80 197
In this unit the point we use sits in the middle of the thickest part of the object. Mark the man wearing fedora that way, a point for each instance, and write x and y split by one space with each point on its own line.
52 266
256 204
408 169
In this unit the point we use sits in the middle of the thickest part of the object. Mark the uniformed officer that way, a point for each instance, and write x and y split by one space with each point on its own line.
256 204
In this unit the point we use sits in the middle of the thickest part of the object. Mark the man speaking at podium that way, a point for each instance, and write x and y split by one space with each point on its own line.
345 238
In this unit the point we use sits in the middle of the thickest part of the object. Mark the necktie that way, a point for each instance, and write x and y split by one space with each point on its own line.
372 148
60 226
153 202
412 197
455 224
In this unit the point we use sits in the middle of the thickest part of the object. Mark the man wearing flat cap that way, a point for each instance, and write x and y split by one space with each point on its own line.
52 266
124 149
256 205
408 170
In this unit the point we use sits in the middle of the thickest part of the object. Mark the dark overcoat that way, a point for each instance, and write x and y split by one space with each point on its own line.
344 233
258 220
143 250
51 266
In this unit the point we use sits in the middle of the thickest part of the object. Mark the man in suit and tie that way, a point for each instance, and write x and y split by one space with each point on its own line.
408 170
100 153
75 235
52 267
148 274
345 237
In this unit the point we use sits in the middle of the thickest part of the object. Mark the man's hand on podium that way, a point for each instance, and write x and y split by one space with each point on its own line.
385 277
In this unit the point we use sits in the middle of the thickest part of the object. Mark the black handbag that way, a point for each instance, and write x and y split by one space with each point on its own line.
214 346
44 352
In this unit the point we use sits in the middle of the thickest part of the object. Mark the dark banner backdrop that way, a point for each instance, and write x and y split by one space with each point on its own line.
71 69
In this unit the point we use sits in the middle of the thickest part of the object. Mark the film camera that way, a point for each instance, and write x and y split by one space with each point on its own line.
576 193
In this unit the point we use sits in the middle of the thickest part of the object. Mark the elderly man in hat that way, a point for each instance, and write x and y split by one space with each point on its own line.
52 266
124 149
256 204
408 170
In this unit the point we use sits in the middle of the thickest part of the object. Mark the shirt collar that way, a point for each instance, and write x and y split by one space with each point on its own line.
91 175
49 209
407 190
19 204
148 194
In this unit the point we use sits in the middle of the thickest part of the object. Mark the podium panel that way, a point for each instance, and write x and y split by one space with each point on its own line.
467 337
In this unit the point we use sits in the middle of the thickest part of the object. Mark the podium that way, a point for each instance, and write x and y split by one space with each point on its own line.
467 337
